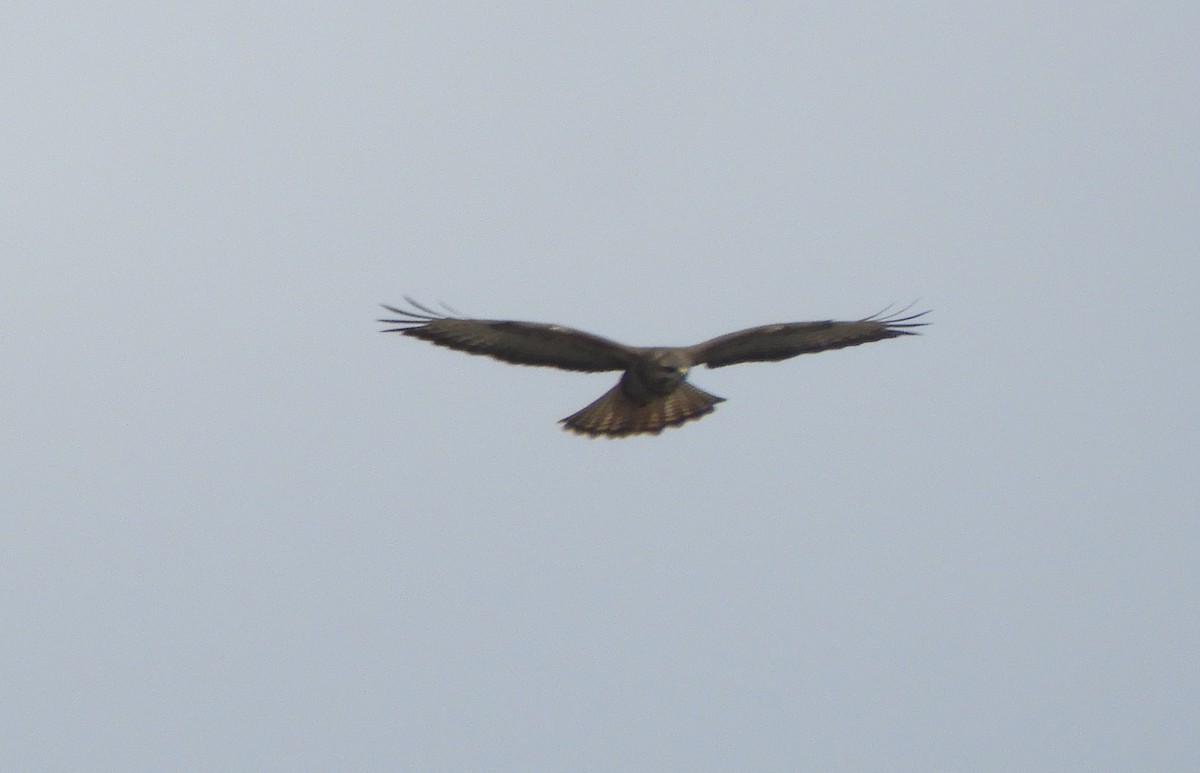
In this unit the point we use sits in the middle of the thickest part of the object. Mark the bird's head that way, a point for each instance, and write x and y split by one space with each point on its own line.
671 361
664 369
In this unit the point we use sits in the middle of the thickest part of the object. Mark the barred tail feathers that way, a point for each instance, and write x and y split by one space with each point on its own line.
615 414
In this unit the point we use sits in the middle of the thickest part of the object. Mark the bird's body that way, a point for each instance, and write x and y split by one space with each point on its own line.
653 392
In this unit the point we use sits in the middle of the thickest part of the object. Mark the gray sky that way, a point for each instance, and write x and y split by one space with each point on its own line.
245 531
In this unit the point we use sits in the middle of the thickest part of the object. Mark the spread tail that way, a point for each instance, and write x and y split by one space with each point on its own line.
615 414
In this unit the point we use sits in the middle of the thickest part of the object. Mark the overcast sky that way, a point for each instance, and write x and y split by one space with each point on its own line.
243 530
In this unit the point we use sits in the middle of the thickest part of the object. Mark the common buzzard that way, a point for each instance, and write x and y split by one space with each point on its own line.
653 392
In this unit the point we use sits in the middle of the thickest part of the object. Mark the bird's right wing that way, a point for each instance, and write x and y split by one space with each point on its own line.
522 343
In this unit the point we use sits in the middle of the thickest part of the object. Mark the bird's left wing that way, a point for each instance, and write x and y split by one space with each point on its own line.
523 343
779 342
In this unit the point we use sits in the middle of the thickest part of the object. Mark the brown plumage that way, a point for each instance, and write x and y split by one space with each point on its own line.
652 393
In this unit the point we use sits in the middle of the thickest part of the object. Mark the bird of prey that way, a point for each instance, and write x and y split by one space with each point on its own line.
653 392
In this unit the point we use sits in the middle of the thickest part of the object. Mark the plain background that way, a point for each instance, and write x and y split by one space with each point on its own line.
244 531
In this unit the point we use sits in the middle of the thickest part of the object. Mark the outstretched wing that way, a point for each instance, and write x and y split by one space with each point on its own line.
523 343
779 342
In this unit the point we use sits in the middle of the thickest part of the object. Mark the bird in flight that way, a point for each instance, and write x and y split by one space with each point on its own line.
653 392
